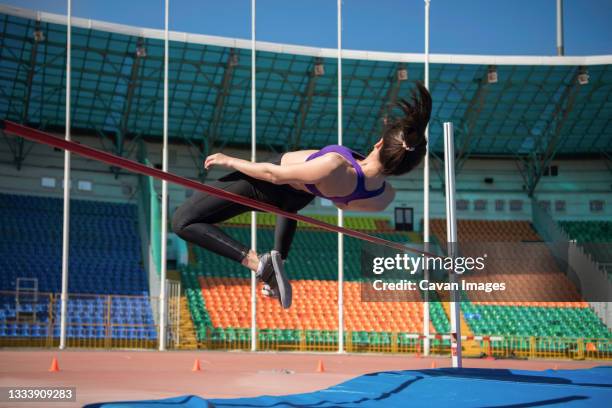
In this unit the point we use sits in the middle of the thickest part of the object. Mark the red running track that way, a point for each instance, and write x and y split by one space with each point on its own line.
101 375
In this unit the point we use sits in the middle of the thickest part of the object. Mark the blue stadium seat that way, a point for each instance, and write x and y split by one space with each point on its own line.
105 259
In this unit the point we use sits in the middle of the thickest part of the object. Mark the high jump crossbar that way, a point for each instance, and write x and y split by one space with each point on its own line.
99 155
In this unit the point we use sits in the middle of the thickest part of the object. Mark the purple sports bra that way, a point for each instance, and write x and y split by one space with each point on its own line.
360 191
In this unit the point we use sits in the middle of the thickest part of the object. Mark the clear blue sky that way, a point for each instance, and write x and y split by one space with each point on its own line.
525 27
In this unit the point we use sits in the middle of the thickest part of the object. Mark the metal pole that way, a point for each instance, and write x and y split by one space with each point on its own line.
164 206
560 47
340 212
66 226
253 159
451 237
426 318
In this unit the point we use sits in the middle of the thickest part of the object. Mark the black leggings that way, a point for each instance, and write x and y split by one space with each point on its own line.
194 220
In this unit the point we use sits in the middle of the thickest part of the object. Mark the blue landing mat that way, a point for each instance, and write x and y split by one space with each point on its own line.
468 387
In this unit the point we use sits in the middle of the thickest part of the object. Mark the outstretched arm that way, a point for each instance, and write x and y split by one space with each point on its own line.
308 172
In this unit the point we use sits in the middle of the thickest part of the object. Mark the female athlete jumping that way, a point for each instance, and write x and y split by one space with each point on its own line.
291 181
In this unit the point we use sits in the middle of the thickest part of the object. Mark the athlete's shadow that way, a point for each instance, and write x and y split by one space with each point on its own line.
390 388
364 401
504 375
496 375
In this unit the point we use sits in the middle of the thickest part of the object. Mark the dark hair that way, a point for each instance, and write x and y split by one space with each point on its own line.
404 144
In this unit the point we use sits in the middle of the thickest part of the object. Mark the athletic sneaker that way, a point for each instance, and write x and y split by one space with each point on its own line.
272 272
267 291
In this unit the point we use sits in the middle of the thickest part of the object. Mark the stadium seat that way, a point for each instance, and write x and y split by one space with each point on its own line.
218 290
572 318
105 259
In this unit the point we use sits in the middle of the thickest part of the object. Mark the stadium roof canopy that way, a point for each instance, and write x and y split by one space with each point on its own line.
536 105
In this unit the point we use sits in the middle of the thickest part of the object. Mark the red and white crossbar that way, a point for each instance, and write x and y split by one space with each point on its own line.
99 155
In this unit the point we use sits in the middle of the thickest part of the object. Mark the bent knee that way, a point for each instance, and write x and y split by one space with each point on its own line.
178 222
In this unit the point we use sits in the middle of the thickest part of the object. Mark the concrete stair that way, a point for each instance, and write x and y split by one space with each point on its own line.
186 328
470 348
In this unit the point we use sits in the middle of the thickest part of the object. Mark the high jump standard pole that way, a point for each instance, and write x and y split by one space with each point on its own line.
340 212
451 237
66 226
253 159
426 318
164 206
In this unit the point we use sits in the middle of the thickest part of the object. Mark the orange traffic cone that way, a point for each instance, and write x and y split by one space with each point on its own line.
433 364
320 367
54 365
196 365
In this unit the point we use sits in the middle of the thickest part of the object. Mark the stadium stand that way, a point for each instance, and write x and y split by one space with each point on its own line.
595 237
589 231
106 276
223 302
511 316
